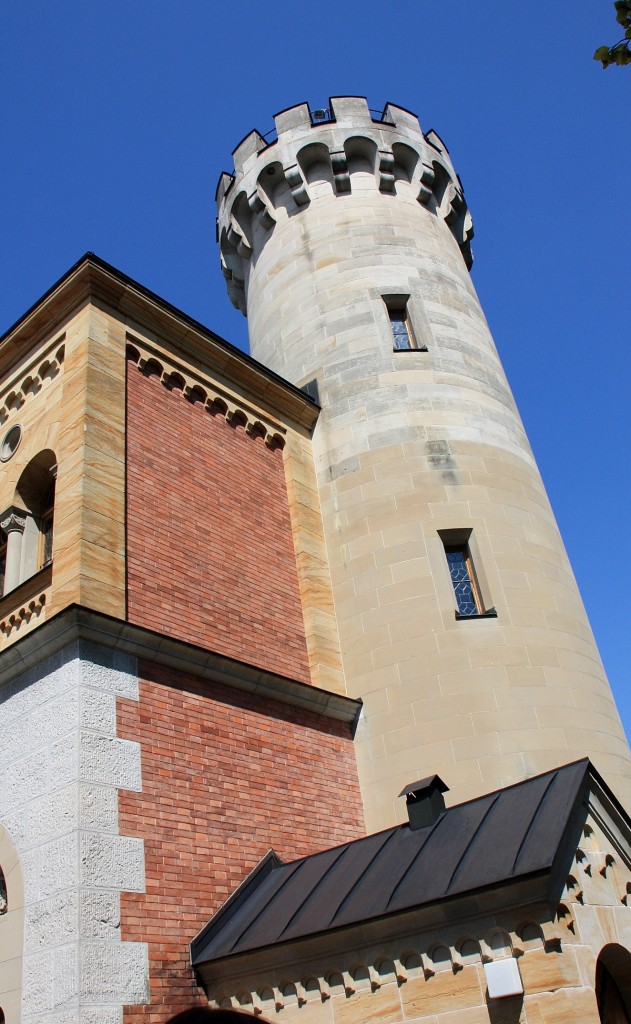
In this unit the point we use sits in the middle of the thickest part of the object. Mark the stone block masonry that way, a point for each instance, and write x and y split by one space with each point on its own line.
62 764
226 776
210 556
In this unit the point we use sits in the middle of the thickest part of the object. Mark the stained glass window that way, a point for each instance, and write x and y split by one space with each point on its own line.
400 329
462 577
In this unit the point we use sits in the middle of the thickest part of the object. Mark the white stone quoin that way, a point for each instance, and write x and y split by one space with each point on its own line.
62 766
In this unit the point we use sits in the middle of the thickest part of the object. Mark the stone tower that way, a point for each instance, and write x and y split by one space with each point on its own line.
346 243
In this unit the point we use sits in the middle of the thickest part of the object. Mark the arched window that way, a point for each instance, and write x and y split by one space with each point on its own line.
11 929
27 525
613 985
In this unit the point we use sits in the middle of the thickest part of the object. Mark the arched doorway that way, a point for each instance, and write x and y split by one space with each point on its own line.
613 985
11 930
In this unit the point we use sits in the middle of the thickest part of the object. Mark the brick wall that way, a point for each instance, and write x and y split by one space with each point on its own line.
225 775
210 556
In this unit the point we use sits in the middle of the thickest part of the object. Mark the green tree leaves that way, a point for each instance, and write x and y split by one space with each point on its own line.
620 52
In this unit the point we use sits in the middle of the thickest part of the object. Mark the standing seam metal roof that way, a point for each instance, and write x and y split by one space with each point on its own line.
485 842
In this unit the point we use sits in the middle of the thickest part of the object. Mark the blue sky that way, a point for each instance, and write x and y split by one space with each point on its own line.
118 117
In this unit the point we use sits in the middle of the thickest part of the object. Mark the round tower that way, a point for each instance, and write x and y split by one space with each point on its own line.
346 242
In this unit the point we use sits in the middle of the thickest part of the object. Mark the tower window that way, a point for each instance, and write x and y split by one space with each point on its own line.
463 578
402 333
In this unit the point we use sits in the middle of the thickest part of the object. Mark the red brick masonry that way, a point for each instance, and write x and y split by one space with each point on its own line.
225 775
210 555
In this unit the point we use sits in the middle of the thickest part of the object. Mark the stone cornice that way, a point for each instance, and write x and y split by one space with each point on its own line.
31 378
79 623
197 386
93 280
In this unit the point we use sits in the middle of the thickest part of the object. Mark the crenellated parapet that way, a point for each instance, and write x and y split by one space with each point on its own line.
323 152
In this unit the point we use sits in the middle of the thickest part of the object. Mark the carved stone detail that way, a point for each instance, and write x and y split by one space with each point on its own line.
339 166
386 171
196 389
426 162
32 379
13 519
296 182
23 614
325 978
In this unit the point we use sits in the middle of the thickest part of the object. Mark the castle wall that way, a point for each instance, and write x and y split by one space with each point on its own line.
210 555
226 775
62 765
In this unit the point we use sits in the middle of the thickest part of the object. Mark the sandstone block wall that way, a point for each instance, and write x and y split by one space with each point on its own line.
226 775
316 229
210 554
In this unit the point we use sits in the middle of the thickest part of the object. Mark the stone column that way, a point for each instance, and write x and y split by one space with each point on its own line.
13 521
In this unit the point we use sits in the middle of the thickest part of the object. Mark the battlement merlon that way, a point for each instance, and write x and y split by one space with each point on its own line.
343 138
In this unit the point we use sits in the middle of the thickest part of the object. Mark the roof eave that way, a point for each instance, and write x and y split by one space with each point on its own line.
395 927
92 279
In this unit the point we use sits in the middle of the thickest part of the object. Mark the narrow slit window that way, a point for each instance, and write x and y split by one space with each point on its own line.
402 334
463 578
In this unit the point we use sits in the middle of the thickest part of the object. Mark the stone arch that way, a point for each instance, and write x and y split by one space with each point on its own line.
34 480
11 932
405 161
530 934
412 962
335 981
440 956
613 984
243 216
468 949
152 368
361 976
386 969
499 943
273 184
29 525
315 164
174 381
361 155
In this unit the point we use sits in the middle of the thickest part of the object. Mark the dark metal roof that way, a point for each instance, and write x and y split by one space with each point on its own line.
487 842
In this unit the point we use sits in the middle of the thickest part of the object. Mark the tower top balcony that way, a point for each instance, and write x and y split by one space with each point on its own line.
284 170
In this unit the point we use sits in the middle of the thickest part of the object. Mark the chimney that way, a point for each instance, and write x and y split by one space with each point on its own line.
425 801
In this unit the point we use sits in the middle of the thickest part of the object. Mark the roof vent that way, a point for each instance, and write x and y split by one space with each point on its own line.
425 801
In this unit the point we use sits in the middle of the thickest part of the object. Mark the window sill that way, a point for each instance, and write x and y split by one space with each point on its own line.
491 614
26 589
425 349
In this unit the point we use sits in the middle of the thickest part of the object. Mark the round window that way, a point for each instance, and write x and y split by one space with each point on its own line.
10 443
